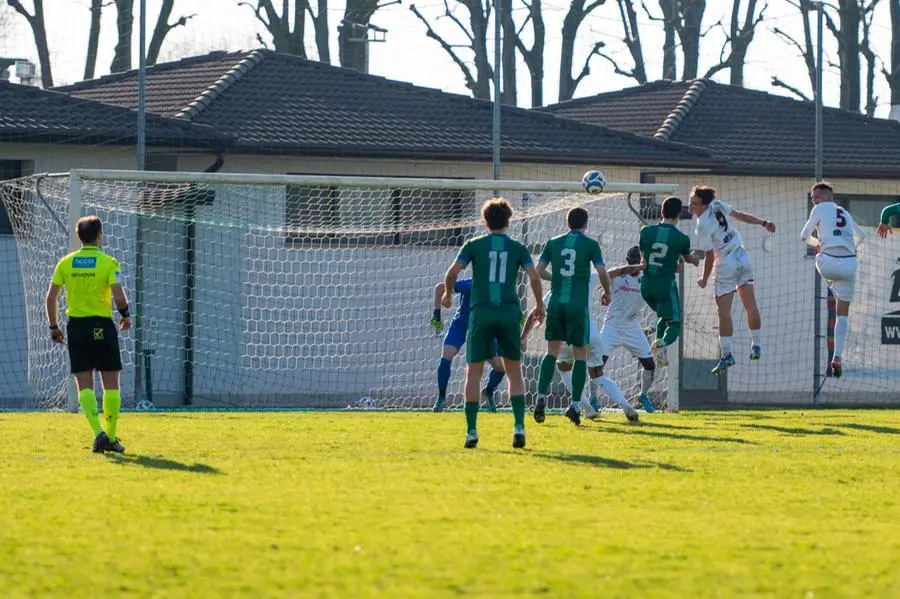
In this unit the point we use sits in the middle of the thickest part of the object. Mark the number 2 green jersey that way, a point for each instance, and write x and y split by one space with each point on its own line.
572 256
495 261
661 246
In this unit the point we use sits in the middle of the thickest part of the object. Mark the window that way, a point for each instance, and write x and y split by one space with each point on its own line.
11 169
866 209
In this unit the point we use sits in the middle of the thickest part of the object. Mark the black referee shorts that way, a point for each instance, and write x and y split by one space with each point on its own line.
93 343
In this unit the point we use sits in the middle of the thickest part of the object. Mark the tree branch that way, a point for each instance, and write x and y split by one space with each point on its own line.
585 70
455 19
467 74
618 70
776 82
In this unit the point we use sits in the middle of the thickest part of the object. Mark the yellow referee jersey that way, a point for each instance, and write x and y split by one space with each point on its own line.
87 276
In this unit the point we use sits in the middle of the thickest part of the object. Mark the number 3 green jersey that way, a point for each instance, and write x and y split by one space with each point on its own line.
495 261
661 246
572 257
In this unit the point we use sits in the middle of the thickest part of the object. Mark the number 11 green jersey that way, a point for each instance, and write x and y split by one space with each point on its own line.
496 260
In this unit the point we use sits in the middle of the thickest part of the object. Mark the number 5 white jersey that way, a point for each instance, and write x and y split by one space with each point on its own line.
714 230
835 229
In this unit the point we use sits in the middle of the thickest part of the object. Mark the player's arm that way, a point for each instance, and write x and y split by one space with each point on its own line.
624 270
537 289
531 322
806 234
436 315
121 301
860 234
709 261
746 217
884 226
544 263
52 299
450 282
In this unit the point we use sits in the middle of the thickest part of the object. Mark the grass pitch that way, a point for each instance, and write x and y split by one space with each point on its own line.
699 504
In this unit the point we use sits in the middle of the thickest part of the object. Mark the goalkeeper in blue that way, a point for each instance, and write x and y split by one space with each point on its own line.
453 342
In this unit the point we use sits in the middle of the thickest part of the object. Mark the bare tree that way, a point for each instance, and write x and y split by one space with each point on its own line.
286 38
688 26
479 82
865 48
509 93
124 27
90 61
534 56
39 30
575 16
632 40
738 38
893 76
162 29
805 49
353 31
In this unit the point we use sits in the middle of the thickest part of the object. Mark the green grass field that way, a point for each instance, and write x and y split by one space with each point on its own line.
698 504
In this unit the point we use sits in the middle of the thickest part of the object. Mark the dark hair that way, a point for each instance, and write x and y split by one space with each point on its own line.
823 186
706 193
671 207
633 255
577 218
88 228
496 213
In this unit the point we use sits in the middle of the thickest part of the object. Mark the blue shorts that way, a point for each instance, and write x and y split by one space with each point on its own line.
456 336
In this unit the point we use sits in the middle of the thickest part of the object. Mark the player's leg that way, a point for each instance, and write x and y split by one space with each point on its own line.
595 362
554 333
611 388
453 341
578 335
495 377
564 366
841 329
81 362
474 371
668 308
726 330
479 348
109 363
634 339
510 349
747 294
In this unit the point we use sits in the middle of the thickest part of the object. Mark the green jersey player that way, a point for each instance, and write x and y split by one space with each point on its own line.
495 312
662 247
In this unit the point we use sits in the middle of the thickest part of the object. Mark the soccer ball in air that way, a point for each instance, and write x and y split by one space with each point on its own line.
593 181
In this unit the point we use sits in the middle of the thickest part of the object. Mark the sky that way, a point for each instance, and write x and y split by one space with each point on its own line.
408 55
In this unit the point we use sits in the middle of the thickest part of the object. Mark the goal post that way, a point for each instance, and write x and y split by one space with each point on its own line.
259 291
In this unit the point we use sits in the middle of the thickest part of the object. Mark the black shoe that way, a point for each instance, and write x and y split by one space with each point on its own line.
572 414
471 440
632 416
540 408
115 446
519 437
101 442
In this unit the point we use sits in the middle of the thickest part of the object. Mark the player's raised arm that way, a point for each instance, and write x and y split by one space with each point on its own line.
624 270
450 282
746 217
884 226
436 323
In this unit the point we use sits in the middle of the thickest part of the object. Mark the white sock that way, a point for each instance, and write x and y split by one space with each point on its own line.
754 337
841 328
593 387
725 344
646 380
612 389
566 376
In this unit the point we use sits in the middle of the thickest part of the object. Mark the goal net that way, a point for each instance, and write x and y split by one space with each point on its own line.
267 292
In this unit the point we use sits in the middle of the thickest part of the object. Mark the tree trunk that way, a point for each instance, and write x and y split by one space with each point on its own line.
508 50
320 26
39 31
740 40
893 76
536 63
670 18
484 73
572 21
848 54
90 62
689 33
353 48
124 26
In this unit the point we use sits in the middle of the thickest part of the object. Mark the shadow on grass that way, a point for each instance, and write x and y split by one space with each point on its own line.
146 461
652 424
635 429
601 462
887 430
790 430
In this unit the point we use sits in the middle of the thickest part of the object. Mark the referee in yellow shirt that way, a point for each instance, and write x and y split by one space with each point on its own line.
92 279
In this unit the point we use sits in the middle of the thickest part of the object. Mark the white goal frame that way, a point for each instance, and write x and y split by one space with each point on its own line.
78 176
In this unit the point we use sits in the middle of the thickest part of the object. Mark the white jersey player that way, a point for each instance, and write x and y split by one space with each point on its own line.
622 324
725 251
566 360
836 237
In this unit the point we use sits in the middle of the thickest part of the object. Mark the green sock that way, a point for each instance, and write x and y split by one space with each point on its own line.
471 415
672 332
518 408
545 373
660 328
88 402
579 378
112 403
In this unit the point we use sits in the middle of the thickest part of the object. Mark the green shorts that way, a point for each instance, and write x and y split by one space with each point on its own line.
569 323
662 297
488 322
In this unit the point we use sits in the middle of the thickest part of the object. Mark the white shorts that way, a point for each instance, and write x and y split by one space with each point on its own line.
628 333
840 274
732 271
595 351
